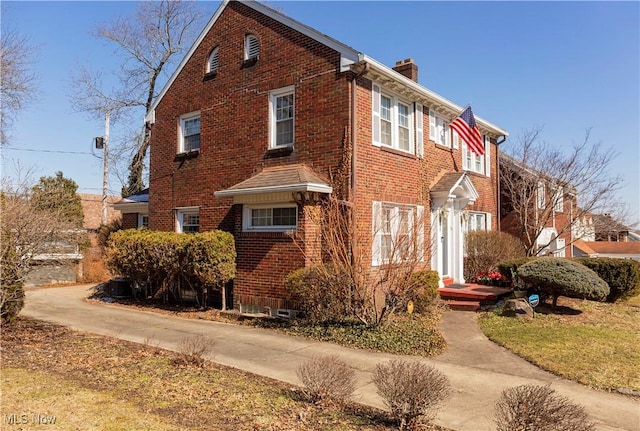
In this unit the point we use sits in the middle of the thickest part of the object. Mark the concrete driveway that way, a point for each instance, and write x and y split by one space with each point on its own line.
478 369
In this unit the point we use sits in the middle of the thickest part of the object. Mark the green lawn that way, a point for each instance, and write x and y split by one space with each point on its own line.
593 343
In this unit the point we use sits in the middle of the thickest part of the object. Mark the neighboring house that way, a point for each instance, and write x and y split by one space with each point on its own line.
533 205
609 229
617 249
266 117
134 209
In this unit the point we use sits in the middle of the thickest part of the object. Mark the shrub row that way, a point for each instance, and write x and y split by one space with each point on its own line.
622 275
162 261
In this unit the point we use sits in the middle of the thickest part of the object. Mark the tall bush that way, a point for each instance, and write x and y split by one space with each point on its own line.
561 277
622 275
163 260
485 249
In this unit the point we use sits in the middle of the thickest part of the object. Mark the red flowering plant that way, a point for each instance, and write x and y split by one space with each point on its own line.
491 278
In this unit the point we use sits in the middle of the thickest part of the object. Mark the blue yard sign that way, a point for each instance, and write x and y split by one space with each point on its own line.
534 300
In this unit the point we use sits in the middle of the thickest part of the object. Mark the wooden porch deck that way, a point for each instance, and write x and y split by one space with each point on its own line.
470 297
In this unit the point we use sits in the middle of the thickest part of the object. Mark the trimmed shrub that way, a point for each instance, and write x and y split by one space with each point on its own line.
539 408
556 277
162 261
508 268
326 377
322 294
427 290
410 389
485 249
622 275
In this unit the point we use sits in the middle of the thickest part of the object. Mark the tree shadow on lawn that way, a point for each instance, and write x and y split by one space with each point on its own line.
560 310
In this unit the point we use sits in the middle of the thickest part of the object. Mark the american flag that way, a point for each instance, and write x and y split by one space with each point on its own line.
467 129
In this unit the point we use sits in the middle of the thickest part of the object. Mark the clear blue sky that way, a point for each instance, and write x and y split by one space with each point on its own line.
567 66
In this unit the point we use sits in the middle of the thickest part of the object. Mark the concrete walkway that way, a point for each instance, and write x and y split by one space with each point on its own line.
478 369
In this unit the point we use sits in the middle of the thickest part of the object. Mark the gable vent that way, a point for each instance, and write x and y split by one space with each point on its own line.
252 47
213 64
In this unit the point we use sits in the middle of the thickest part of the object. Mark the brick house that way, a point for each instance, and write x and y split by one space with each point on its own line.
553 219
266 117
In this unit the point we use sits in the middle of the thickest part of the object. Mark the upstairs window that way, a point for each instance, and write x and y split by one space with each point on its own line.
475 163
542 200
251 47
282 117
189 139
558 205
439 131
393 122
213 61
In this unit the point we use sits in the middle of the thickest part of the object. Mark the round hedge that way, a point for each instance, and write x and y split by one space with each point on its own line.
561 277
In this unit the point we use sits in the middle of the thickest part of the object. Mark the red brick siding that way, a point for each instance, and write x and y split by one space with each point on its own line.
129 220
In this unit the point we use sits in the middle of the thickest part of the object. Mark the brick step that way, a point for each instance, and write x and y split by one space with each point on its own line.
458 305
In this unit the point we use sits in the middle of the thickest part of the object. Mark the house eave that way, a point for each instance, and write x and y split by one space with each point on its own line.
131 207
302 187
424 95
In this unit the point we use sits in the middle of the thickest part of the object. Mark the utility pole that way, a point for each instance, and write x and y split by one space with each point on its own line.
105 169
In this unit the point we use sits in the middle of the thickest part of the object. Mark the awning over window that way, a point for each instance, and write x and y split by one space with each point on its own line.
453 186
277 180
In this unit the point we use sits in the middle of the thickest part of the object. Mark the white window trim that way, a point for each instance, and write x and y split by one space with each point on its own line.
470 160
273 95
141 217
471 214
434 117
540 195
247 213
248 55
415 125
558 203
560 247
416 221
215 55
181 212
181 128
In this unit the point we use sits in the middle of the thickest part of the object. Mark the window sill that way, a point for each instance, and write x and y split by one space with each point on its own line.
472 172
443 147
278 152
249 62
398 152
187 155
209 76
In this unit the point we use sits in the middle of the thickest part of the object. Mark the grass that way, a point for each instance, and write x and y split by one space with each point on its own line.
593 343
92 382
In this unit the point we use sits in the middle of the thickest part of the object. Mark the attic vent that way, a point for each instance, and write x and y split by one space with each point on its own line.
212 64
252 47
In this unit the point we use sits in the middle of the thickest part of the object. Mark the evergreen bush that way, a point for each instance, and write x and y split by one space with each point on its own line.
428 289
622 275
556 277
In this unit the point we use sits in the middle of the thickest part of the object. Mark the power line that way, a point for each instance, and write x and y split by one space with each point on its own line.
36 150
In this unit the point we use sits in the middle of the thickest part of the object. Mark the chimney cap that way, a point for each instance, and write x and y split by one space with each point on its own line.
405 61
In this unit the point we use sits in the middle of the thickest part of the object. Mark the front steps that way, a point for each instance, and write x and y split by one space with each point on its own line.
471 297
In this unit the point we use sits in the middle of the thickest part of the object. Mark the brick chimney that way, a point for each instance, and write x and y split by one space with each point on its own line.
408 68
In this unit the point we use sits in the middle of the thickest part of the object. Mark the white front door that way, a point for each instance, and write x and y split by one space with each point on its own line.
444 248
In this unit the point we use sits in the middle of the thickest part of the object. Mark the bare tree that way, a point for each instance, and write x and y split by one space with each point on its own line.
17 79
25 232
347 243
538 181
148 42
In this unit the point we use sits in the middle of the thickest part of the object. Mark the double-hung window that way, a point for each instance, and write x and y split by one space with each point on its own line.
477 221
398 232
439 131
558 204
270 218
542 200
188 219
189 139
393 121
282 117
477 163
